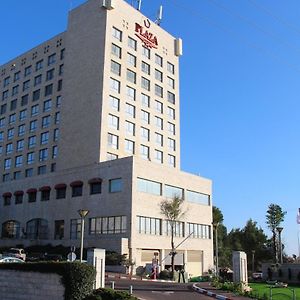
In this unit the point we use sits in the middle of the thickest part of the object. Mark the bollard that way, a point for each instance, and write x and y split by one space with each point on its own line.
113 285
130 290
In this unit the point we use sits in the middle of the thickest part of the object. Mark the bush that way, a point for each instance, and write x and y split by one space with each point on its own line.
109 294
165 274
77 278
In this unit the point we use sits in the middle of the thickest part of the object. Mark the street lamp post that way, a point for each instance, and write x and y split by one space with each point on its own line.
82 213
216 225
279 229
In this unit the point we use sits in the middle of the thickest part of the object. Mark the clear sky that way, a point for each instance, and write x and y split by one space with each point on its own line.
240 91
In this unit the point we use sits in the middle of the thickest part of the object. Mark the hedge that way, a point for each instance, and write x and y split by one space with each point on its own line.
77 278
109 294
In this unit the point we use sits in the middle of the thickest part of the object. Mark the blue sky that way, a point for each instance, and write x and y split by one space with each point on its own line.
240 91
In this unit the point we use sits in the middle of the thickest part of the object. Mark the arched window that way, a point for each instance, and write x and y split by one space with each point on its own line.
11 229
37 229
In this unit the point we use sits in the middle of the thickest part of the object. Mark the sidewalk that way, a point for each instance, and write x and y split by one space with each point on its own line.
206 289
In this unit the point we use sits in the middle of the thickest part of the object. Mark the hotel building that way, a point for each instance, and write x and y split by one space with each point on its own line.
90 120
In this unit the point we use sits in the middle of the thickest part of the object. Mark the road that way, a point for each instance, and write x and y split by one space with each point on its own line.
149 290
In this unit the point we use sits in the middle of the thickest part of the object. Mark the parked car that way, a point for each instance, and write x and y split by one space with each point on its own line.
10 259
16 252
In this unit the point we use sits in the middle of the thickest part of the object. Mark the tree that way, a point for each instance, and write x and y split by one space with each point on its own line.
172 210
274 217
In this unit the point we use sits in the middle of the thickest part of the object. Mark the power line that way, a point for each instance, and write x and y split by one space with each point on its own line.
196 14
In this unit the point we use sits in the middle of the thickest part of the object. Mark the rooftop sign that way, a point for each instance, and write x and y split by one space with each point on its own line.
149 39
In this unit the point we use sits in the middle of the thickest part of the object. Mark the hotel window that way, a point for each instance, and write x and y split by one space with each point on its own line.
15 90
29 172
170 68
34 110
146 52
17 175
44 138
130 110
58 101
115 85
37 80
62 54
30 158
7 163
46 121
145 84
6 177
111 156
1 136
171 144
158 60
95 187
159 139
61 191
17 76
45 194
113 121
113 141
131 60
130 128
144 150
159 106
115 68
27 71
3 109
132 43
145 117
2 122
48 90
199 231
171 160
9 148
178 228
61 70
51 59
171 97
75 229
131 76
115 50
147 225
6 81
43 154
19 161
114 103
1 150
171 128
13 105
149 187
145 68
20 145
12 119
158 156
145 134
39 65
129 146
55 134
115 185
21 130
59 228
145 99
4 95
22 114
50 74
47 105
158 91
171 82
6 199
32 195
54 151
116 33
108 225
33 125
159 122
130 93
24 100
158 75
10 133
26 85
18 197
198 198
171 113
31 141
57 118
42 170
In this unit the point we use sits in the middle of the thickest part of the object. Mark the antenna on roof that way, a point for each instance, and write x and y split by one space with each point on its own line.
139 5
159 16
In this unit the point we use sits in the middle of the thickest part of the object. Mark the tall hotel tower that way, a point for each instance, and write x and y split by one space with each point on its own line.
90 120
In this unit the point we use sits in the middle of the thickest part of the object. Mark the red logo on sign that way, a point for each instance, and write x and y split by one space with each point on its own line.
148 38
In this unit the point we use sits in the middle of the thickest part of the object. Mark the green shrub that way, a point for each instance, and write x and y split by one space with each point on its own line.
165 274
77 278
109 294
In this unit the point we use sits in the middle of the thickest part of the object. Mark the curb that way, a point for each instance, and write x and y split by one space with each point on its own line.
208 293
119 276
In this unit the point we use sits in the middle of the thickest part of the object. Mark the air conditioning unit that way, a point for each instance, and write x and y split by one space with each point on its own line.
109 4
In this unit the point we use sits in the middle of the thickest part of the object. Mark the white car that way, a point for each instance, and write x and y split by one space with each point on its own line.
16 252
11 260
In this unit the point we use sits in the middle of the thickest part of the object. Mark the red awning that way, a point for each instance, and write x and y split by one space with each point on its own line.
7 194
45 188
60 186
95 180
31 191
16 193
76 183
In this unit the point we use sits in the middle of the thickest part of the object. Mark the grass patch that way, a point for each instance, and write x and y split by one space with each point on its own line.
263 291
